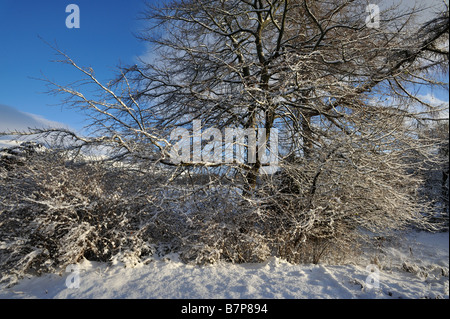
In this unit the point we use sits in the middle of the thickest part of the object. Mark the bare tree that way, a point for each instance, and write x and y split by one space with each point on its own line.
341 94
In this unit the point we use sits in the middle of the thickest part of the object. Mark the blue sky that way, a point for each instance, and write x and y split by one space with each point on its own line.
105 39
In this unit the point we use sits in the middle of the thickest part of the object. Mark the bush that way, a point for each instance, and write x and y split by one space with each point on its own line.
54 213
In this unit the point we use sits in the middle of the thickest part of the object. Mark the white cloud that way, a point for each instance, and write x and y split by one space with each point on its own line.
46 123
438 103
14 120
431 99
428 8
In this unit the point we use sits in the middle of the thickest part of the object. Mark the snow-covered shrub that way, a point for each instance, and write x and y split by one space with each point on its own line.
226 235
320 208
54 213
219 223
436 174
18 155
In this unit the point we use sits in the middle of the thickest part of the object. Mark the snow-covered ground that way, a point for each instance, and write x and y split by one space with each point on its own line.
417 266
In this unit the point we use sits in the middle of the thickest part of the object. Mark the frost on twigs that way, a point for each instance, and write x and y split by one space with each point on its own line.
55 213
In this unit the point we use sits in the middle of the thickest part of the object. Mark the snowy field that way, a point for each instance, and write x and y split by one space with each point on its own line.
415 267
